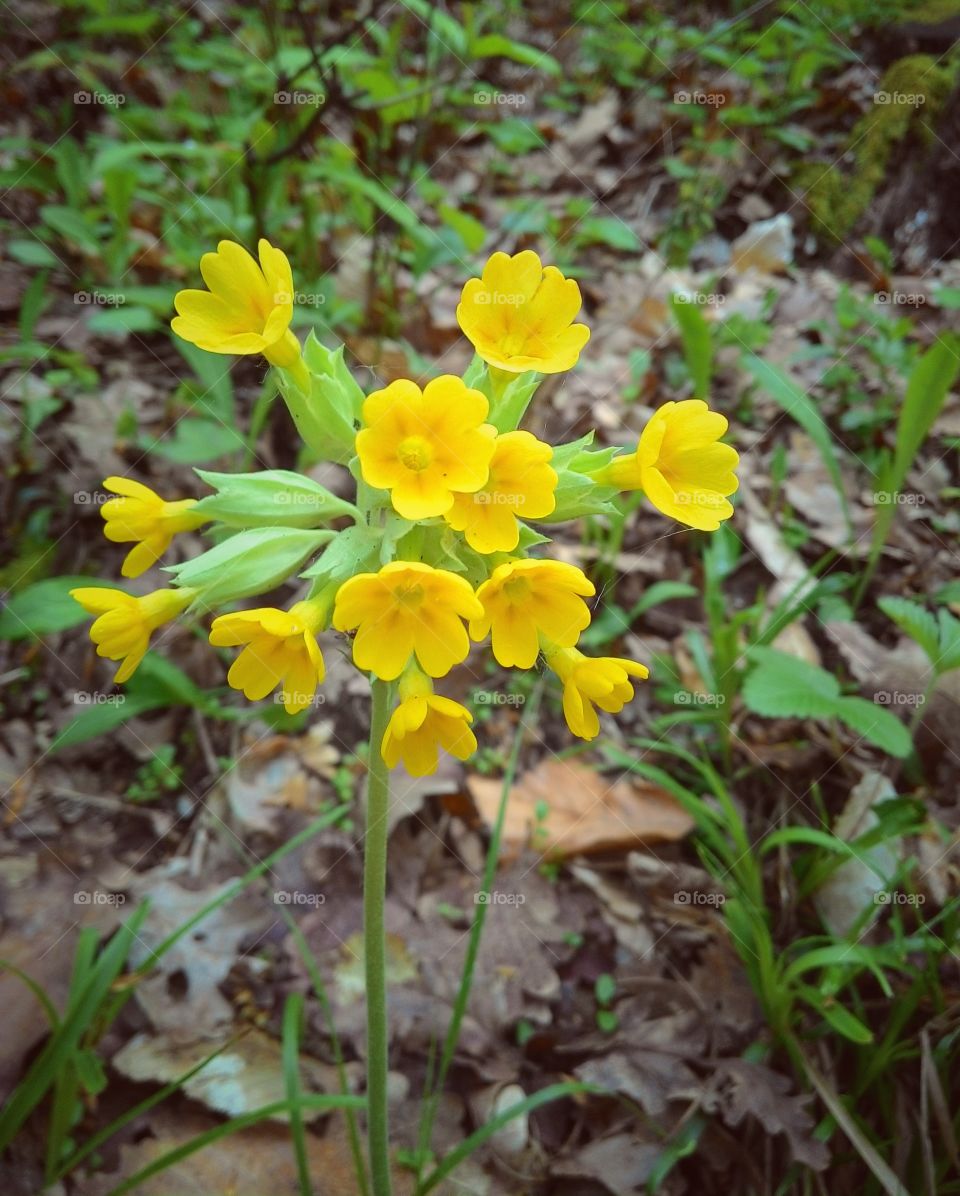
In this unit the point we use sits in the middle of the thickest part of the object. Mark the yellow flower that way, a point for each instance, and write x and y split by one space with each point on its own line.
280 649
424 445
422 723
123 629
604 682
681 465
405 609
248 307
519 315
523 600
520 486
142 515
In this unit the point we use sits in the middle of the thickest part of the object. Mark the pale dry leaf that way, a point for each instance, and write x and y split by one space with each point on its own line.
582 811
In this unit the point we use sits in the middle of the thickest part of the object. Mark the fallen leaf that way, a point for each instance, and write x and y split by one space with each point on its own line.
582 811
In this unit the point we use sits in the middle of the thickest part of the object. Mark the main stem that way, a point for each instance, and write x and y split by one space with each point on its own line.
374 948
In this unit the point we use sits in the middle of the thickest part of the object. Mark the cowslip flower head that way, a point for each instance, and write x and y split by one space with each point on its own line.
519 315
280 648
247 308
520 485
406 609
422 723
124 624
681 465
587 683
423 446
139 514
526 599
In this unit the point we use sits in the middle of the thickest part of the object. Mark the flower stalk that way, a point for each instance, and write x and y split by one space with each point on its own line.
374 941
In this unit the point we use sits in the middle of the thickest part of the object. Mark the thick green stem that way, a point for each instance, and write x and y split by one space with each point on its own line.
374 947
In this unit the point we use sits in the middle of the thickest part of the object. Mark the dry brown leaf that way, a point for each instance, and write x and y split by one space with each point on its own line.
585 812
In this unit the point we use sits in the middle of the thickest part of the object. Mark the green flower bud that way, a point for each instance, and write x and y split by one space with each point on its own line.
250 562
270 498
577 493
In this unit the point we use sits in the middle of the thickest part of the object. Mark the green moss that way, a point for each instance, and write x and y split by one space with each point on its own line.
931 12
839 196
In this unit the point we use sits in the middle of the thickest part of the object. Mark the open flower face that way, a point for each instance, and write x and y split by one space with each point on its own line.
280 649
406 609
248 307
524 600
423 446
124 624
423 724
681 466
519 315
140 514
520 485
587 683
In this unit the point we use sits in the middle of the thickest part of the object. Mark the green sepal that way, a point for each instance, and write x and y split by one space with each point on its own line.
354 550
250 562
270 498
328 417
577 493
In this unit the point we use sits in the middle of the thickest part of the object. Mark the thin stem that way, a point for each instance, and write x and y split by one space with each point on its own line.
374 949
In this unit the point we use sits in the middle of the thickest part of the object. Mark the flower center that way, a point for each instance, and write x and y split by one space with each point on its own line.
410 595
517 589
414 453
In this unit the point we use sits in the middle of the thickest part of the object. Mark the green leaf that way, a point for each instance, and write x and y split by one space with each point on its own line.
876 724
836 1016
782 686
98 719
697 344
71 226
800 406
949 642
915 621
497 45
43 608
930 380
194 441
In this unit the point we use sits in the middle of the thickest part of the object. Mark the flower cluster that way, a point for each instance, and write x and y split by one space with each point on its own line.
437 551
